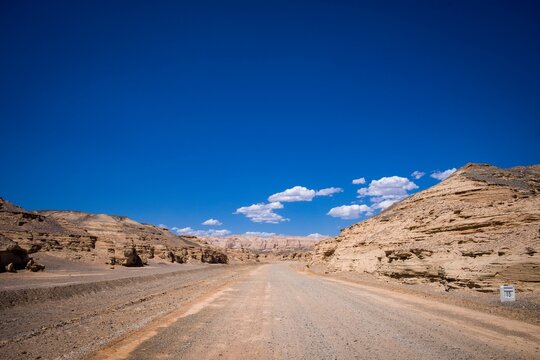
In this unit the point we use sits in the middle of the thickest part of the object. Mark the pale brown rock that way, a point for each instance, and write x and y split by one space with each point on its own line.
11 255
98 238
278 247
479 229
131 258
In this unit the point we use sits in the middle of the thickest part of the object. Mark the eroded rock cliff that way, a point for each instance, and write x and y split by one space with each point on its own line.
277 247
479 229
103 238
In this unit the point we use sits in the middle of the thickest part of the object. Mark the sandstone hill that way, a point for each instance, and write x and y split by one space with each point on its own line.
98 238
272 247
478 229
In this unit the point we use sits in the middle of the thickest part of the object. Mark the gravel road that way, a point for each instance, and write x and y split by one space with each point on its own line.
275 312
46 318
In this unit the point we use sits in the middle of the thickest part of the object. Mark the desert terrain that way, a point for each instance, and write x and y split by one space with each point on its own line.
418 280
477 229
275 247
256 311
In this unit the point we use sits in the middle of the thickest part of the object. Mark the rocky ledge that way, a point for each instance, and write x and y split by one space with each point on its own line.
478 229
75 235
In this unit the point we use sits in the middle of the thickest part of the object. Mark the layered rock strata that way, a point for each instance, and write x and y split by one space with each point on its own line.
103 238
478 229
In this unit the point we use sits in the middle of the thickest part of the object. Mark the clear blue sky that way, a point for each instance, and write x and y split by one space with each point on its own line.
177 112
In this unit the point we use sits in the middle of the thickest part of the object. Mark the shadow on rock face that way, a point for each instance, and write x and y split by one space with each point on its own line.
213 257
12 254
131 258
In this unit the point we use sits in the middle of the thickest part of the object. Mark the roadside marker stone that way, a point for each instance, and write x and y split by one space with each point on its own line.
507 293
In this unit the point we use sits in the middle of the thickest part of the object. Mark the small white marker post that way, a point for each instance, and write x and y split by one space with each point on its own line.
508 293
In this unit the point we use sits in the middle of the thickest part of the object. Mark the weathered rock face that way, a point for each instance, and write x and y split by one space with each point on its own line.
12 256
35 231
479 229
115 234
98 237
274 247
213 257
131 258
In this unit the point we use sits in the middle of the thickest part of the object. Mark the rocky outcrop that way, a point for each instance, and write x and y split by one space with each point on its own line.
131 258
12 256
116 235
213 257
478 229
100 238
271 248
34 231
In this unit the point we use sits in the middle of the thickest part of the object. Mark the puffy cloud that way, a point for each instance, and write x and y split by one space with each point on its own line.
182 231
163 226
261 234
190 231
359 181
212 222
387 190
222 232
384 204
297 193
441 175
329 191
301 193
317 236
418 174
349 211
262 212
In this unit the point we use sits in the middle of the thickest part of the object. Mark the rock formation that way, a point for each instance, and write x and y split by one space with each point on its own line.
131 258
271 248
102 238
478 229
12 256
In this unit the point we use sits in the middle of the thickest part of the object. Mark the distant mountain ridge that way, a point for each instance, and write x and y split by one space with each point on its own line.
269 246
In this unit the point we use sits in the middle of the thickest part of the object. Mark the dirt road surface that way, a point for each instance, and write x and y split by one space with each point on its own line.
54 316
275 312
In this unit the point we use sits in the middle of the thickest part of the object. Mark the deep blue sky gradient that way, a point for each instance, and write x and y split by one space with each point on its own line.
175 112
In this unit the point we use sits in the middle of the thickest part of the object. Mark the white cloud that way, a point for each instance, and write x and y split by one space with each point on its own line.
387 190
261 234
301 193
297 193
163 226
212 222
388 187
441 175
329 191
317 236
190 231
418 174
359 181
181 231
384 204
349 211
222 232
262 212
